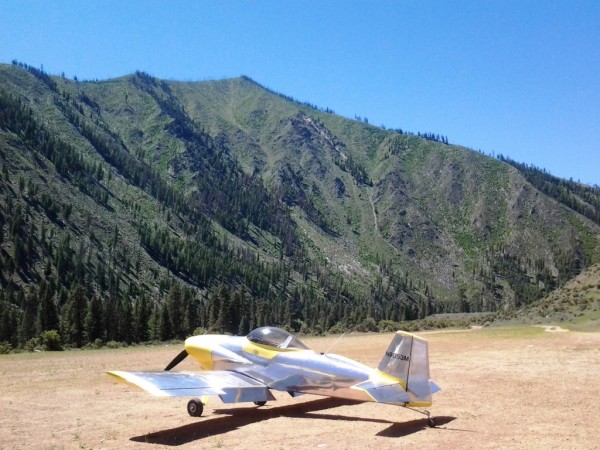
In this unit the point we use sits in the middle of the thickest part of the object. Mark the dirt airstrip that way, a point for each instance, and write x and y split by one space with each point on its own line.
520 387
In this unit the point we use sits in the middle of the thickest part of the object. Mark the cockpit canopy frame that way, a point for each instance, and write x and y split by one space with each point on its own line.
276 337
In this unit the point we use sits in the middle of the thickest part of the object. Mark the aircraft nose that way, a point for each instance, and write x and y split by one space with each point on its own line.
201 350
215 352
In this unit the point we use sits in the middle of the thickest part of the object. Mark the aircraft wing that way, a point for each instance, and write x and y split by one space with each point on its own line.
231 387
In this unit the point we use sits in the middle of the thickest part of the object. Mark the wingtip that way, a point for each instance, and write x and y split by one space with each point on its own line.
117 375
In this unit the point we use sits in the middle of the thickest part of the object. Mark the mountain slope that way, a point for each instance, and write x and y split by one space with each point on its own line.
175 205
576 303
398 200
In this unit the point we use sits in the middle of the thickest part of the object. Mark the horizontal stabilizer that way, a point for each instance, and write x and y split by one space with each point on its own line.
384 392
434 387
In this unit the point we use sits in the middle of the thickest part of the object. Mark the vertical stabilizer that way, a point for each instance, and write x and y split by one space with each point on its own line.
407 359
396 361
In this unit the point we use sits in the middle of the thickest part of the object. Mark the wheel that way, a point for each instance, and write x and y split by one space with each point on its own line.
195 407
261 403
431 422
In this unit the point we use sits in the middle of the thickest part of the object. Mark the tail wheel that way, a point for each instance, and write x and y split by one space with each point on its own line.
195 407
261 403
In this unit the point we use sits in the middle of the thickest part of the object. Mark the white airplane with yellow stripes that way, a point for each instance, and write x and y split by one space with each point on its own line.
247 369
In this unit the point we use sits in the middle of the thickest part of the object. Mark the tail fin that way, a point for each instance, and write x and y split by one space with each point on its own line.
407 359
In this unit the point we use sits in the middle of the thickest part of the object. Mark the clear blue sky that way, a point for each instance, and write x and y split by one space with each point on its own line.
521 78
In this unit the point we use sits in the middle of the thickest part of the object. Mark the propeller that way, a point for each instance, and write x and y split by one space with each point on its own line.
177 360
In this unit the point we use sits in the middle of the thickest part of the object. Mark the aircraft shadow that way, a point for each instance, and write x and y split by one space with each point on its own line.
402 429
233 418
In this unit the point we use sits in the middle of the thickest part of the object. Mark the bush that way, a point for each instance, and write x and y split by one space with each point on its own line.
199 331
318 330
288 328
113 344
368 324
388 326
5 347
409 326
50 341
32 345
338 328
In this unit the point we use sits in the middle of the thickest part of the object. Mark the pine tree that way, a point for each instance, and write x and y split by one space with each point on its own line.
125 321
141 318
28 321
224 317
9 328
74 313
175 309
165 332
47 318
154 324
190 316
94 324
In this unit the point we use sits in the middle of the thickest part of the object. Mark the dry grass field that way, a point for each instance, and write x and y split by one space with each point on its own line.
518 387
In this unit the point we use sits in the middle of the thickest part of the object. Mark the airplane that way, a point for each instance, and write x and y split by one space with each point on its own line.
246 369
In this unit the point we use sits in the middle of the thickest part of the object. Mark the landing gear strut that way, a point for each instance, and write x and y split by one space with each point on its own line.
430 420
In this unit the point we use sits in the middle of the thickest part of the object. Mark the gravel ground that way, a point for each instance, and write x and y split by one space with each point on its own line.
517 387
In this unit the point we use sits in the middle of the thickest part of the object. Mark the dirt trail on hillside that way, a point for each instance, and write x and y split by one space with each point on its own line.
515 388
375 222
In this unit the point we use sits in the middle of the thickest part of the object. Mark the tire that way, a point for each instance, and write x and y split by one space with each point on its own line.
431 422
261 403
195 407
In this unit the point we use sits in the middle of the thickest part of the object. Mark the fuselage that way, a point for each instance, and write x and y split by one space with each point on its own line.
247 369
294 370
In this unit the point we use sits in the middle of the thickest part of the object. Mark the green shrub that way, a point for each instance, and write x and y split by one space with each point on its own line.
338 328
199 331
5 347
50 340
113 344
388 326
32 345
318 330
368 324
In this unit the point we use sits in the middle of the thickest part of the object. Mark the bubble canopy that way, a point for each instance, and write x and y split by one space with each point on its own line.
275 337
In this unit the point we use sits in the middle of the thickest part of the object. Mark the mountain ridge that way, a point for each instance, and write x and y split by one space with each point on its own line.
257 209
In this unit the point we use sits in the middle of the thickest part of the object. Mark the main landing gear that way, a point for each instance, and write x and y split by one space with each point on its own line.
195 407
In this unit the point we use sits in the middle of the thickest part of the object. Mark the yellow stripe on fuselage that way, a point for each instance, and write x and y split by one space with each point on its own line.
265 351
419 404
379 375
